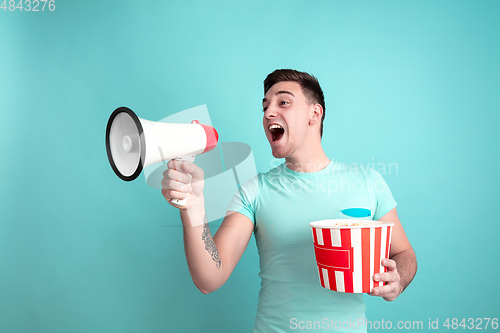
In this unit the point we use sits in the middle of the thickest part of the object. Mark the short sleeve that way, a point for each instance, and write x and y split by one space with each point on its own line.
244 200
377 186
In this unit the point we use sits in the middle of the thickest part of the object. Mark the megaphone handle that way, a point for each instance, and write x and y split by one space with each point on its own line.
186 158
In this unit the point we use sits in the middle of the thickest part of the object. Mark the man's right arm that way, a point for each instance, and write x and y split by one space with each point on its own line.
211 260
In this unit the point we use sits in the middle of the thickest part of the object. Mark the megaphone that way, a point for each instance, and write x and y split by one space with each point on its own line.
133 143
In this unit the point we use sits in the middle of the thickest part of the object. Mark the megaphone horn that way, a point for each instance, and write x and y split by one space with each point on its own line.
133 143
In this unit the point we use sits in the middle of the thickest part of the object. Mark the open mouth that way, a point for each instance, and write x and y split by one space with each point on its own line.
276 131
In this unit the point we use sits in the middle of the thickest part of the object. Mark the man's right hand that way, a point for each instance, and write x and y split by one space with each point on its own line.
181 181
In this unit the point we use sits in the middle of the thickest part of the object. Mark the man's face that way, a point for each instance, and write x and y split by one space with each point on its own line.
286 118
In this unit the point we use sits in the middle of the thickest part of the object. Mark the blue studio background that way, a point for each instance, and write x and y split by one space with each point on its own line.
413 83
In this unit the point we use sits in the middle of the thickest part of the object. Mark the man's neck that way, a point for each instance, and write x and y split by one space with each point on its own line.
308 160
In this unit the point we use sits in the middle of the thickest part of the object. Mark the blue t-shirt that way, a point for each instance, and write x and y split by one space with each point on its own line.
281 203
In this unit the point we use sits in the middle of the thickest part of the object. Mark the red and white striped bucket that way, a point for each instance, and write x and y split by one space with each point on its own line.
349 252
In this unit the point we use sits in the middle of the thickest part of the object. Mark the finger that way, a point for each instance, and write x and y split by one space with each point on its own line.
178 176
384 291
172 194
389 263
176 165
193 170
386 277
170 184
171 164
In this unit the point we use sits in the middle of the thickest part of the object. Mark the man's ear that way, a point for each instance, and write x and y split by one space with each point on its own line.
316 114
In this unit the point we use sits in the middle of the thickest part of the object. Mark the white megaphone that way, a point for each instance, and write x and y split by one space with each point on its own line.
133 143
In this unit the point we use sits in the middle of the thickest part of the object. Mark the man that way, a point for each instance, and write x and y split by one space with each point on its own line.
278 205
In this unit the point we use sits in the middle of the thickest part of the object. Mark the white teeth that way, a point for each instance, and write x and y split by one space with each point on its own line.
273 126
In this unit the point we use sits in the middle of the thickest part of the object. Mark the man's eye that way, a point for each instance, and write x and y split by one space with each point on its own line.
283 102
264 109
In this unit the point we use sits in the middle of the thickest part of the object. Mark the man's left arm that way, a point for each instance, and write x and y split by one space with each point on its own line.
402 266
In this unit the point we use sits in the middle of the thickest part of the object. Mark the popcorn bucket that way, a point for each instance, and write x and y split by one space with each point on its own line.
349 252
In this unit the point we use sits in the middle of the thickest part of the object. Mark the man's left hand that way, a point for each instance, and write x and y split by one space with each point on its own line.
392 289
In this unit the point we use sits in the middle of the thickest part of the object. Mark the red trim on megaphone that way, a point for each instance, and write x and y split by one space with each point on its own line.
212 137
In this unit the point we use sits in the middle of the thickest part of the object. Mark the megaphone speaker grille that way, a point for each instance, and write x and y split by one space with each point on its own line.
125 144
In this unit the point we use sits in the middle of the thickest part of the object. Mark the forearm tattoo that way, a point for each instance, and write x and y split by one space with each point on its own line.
209 243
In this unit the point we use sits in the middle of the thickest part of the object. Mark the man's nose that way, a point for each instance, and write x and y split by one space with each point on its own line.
270 113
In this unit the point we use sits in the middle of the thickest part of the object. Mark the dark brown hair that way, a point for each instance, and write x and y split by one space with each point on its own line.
309 84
